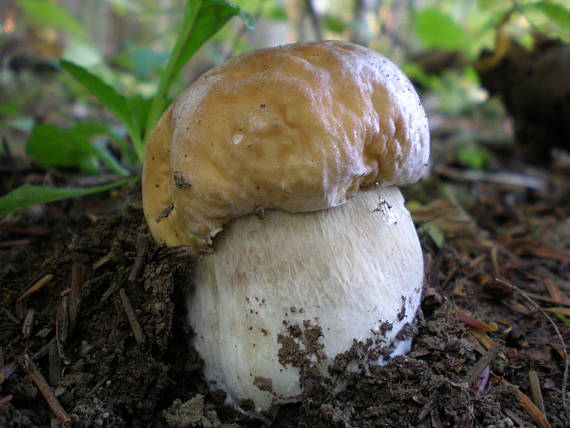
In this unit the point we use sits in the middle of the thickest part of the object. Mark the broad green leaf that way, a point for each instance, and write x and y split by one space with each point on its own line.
50 145
555 12
210 17
436 30
110 98
50 14
28 195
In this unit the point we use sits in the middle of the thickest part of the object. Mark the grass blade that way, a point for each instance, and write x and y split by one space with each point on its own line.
110 98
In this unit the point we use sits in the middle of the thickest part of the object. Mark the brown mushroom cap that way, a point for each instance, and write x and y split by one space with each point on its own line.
297 128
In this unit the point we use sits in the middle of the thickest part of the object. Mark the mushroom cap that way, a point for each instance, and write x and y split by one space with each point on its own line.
297 128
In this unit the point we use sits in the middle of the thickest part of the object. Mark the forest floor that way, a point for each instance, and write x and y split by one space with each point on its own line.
93 326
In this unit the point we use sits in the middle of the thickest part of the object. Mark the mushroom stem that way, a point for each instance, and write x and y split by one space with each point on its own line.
348 270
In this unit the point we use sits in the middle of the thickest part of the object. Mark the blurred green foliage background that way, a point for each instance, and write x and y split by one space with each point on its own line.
117 52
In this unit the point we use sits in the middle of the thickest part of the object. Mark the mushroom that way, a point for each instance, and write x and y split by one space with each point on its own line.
295 152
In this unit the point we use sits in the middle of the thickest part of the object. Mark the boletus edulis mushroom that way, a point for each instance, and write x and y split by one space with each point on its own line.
279 169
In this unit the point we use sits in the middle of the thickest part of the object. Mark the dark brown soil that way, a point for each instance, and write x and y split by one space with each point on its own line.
126 361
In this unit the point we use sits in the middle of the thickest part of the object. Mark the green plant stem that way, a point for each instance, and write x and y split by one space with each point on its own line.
137 143
157 106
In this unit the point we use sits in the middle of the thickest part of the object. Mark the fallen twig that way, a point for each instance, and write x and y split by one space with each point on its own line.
33 230
15 243
75 294
54 364
62 320
7 371
39 380
28 323
482 337
62 327
115 284
475 323
547 299
4 401
103 260
555 293
561 311
483 362
131 316
506 178
535 390
10 316
36 287
142 247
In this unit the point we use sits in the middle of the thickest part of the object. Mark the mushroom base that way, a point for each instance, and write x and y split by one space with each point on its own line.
348 273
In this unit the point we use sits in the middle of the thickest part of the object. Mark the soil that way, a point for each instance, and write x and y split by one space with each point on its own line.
108 335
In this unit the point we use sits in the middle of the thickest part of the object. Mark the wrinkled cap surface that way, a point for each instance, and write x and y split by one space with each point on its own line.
297 128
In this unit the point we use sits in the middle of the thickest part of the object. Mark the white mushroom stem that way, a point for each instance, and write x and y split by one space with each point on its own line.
347 269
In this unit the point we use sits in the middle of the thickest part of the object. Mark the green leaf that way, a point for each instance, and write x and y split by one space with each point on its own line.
277 13
98 145
202 19
28 195
105 93
415 72
49 14
333 23
434 233
110 98
555 12
210 17
494 5
50 145
473 155
437 30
